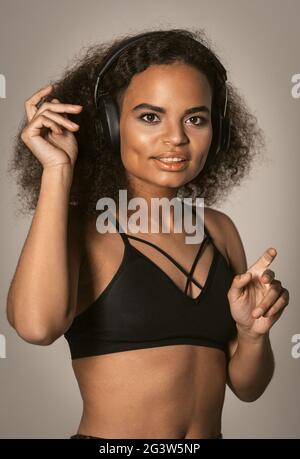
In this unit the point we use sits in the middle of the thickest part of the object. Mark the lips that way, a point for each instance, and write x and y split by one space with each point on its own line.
172 156
168 164
171 160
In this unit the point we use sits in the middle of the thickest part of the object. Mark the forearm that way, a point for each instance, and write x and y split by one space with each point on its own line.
38 295
251 368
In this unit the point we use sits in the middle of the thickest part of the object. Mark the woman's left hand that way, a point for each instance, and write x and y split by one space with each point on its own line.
256 298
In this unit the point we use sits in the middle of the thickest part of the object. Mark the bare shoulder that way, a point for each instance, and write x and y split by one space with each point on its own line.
222 227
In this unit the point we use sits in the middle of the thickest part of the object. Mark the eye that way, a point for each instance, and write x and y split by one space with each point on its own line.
147 114
203 120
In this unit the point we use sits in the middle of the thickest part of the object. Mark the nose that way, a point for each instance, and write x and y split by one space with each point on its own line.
175 133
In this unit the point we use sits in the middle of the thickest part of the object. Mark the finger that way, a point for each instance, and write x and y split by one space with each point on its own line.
268 300
30 104
238 284
58 108
43 121
267 276
264 261
280 304
56 101
61 120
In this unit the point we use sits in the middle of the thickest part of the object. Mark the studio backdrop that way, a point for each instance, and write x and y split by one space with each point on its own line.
258 42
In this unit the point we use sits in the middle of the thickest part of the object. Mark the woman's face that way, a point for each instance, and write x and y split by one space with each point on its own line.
167 128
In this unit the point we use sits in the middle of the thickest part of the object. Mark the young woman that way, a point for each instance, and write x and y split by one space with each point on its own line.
156 327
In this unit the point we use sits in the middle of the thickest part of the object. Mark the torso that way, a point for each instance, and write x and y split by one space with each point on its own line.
174 391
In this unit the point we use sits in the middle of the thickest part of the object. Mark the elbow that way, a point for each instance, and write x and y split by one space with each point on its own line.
248 398
35 335
33 327
247 394
34 331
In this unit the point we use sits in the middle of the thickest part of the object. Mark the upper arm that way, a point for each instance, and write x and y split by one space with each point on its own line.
236 255
50 324
75 251
233 245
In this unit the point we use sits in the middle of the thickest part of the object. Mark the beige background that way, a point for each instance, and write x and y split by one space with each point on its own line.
259 43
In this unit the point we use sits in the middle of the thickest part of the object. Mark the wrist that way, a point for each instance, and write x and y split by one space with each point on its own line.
246 335
62 174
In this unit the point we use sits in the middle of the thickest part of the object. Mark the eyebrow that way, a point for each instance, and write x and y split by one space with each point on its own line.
200 108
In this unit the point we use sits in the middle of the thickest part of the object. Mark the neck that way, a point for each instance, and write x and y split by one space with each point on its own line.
148 191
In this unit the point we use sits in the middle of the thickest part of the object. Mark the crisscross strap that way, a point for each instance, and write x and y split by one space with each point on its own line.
189 275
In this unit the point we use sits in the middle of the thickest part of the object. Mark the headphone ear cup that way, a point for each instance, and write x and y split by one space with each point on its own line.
221 135
216 137
108 124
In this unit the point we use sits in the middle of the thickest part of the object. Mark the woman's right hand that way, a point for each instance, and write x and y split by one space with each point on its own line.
49 134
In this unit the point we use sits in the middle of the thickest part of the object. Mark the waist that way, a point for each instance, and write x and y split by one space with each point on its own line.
181 387
177 426
81 436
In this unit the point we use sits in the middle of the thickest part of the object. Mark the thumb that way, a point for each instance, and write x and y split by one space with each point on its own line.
239 282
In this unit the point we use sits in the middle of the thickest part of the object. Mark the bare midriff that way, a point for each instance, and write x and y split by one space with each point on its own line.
174 391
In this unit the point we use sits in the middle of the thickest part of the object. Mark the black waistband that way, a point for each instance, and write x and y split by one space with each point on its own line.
80 436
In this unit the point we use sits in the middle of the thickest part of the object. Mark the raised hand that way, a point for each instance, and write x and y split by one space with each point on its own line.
49 132
256 298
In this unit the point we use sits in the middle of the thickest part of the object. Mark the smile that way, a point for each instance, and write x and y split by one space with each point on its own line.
171 164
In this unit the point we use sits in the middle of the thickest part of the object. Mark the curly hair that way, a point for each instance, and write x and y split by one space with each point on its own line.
96 172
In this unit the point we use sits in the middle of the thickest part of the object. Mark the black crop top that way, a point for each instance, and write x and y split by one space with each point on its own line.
142 307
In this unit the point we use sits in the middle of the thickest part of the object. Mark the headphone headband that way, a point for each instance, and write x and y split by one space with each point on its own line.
221 71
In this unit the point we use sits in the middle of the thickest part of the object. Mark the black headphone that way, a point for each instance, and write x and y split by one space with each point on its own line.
107 111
